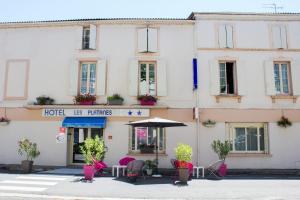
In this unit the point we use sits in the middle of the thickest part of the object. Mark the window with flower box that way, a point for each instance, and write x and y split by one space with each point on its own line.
147 78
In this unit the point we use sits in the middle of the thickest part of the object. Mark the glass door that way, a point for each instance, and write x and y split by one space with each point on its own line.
79 135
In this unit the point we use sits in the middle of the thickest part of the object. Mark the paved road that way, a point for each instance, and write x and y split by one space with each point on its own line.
35 186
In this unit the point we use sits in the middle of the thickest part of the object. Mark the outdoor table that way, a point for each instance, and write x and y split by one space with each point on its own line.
118 167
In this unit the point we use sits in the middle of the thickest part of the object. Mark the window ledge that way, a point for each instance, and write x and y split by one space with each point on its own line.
223 96
249 155
147 154
288 97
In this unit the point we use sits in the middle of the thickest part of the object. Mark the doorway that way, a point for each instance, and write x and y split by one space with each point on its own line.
77 136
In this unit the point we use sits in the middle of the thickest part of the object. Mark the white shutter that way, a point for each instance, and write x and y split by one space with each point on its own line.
269 78
152 40
162 78
93 36
133 77
283 37
142 40
241 78
214 77
73 78
222 36
229 36
2 77
79 35
101 78
295 72
276 32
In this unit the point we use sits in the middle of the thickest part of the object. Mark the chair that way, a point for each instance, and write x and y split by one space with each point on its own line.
214 168
122 165
134 169
99 166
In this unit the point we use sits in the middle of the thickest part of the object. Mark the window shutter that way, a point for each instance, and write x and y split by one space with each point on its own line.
162 78
101 78
276 32
73 78
93 36
142 40
2 77
266 139
241 78
269 78
79 35
283 37
229 36
133 77
214 77
222 36
295 71
152 40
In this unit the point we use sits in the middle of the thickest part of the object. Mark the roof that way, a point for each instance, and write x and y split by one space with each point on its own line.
193 14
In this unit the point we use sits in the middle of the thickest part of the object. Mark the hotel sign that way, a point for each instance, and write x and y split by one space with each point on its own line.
60 112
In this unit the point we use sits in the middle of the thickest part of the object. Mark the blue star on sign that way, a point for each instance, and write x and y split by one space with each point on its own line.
139 112
129 112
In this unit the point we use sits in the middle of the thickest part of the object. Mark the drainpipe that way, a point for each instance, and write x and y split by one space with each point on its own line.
196 110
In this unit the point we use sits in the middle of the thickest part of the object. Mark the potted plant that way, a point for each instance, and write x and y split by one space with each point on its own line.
44 100
85 99
209 123
93 150
147 100
31 152
4 121
144 148
115 99
222 149
183 156
284 122
149 166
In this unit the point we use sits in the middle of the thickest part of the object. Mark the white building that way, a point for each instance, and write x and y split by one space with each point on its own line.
247 67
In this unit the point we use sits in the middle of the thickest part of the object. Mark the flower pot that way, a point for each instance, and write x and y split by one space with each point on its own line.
149 172
86 103
147 103
88 172
26 166
183 175
147 149
222 170
4 123
115 102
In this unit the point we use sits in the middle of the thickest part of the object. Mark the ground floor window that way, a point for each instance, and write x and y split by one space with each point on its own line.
249 137
146 136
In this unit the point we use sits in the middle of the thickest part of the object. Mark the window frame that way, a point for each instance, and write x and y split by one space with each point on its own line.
147 76
234 77
136 150
84 36
289 78
88 77
232 136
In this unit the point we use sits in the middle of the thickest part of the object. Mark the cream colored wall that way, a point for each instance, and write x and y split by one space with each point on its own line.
283 145
42 133
51 51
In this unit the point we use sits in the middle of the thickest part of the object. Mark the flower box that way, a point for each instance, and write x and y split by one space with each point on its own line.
147 149
86 103
115 102
147 103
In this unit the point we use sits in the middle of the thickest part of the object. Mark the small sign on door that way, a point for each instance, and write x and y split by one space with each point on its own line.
61 136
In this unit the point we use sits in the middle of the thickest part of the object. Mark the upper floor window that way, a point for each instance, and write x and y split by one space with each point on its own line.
248 137
88 78
227 78
226 36
282 76
147 78
147 40
279 37
89 37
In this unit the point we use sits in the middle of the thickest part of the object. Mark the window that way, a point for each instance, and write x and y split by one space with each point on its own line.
88 78
249 137
226 36
86 38
147 78
147 136
279 37
147 40
227 78
281 76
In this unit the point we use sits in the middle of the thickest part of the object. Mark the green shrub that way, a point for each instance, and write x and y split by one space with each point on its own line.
29 149
221 148
184 152
93 149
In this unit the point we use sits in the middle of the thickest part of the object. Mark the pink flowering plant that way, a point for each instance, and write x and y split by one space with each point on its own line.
4 119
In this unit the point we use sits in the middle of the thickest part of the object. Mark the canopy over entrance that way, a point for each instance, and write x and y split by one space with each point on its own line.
82 122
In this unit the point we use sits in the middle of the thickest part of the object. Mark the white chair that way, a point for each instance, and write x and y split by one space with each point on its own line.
197 169
118 167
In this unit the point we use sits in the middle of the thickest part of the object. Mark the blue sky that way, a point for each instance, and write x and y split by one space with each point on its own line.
23 10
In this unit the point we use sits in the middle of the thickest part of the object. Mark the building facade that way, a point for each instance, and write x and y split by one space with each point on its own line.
247 80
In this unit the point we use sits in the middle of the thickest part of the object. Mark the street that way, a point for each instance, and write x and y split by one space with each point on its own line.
35 186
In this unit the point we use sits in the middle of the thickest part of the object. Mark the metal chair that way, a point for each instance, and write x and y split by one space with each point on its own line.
213 169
